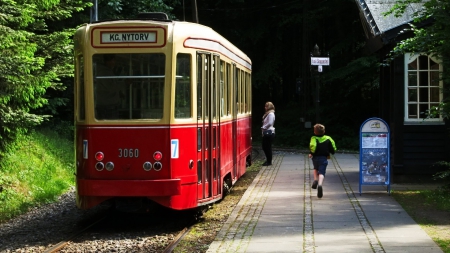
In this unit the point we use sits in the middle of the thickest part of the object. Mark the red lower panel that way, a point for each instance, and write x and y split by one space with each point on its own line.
124 188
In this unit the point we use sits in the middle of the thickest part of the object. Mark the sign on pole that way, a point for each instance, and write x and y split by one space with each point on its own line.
374 150
320 61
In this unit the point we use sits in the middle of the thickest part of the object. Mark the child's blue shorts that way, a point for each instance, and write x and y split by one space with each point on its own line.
320 163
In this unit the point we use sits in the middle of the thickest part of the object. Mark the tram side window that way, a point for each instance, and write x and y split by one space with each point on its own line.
199 88
237 90
128 86
183 87
243 101
80 95
249 93
228 82
223 99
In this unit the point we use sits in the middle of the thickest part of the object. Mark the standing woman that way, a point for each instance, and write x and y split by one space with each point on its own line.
268 132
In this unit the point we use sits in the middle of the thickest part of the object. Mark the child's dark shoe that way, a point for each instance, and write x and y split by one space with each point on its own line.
314 185
319 192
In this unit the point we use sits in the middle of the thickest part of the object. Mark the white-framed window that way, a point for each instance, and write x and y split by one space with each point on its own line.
423 87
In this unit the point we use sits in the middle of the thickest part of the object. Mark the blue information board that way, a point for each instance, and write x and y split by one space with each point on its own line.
374 153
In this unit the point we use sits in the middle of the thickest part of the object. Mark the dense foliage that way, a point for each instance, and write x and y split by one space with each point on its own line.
34 59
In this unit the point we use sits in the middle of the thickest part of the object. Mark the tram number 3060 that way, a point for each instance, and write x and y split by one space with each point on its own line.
128 152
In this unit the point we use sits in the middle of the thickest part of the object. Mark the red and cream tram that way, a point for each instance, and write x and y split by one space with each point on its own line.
162 113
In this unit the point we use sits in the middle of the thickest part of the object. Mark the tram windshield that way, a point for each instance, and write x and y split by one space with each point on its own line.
128 86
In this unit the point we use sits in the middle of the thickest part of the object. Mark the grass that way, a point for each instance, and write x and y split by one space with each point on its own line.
36 171
431 210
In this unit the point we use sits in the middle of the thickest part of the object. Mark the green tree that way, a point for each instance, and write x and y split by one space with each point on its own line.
33 60
120 9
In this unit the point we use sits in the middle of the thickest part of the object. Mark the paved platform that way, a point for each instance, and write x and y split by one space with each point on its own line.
280 212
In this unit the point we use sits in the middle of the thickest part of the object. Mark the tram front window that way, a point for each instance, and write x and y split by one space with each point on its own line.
128 86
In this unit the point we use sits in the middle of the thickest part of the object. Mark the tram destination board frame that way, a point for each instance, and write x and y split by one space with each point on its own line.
374 152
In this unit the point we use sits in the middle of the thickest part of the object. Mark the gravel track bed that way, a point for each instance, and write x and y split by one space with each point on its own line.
45 226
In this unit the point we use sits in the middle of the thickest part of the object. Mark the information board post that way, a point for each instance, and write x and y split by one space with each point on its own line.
374 154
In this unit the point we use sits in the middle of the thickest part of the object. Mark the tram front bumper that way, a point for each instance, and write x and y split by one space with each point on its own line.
124 188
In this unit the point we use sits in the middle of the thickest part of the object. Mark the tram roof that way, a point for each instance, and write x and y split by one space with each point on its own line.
194 31
209 39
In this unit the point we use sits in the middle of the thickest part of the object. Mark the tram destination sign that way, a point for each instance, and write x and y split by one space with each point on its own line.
121 37
320 61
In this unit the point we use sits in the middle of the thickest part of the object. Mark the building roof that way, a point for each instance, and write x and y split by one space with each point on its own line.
374 20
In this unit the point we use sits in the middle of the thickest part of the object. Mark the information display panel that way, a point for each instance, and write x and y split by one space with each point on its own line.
374 162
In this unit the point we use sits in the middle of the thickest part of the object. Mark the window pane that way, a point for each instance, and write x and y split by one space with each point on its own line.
413 65
412 111
434 78
423 95
422 110
199 87
129 86
208 134
215 73
81 98
228 89
206 87
423 62
434 95
423 78
412 95
199 171
412 78
199 139
183 87
434 65
222 89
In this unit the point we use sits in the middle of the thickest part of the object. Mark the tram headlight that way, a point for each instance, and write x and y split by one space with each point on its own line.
157 166
99 166
109 166
99 156
147 166
157 156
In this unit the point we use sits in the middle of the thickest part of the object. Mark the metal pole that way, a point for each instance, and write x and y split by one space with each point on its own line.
94 11
194 11
318 97
184 15
316 53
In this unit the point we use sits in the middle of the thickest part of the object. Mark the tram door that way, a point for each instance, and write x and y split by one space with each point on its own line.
207 125
235 98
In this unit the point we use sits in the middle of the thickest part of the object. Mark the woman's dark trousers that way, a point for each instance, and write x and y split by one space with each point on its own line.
267 147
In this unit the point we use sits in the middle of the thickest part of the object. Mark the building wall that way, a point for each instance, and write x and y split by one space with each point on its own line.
415 149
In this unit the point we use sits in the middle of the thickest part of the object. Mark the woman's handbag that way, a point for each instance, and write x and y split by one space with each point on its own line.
267 132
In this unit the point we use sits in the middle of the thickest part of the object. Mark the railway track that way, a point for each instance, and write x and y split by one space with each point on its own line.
62 244
121 231
145 224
